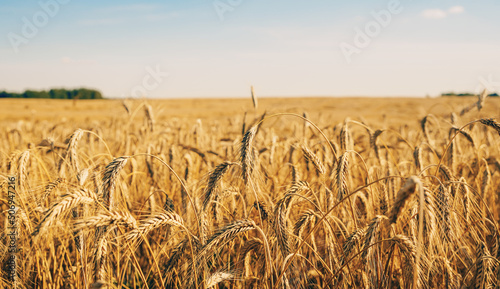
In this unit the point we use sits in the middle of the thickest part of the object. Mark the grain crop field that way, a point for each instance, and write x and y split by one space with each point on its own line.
283 193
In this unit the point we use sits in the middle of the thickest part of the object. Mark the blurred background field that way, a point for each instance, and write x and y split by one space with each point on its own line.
393 110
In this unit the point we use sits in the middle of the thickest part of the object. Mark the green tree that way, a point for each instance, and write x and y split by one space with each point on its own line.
56 93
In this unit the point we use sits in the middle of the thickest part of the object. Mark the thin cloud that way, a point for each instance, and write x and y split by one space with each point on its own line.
100 22
131 7
440 14
69 60
456 10
434 14
161 16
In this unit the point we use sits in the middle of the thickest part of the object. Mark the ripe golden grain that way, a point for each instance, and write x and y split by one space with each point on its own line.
241 209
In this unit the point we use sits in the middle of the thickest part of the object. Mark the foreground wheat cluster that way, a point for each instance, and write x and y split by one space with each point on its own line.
270 201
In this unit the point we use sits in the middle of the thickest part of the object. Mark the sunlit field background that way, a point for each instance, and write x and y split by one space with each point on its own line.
274 193
249 144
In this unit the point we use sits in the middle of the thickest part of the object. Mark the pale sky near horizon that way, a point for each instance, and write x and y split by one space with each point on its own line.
219 48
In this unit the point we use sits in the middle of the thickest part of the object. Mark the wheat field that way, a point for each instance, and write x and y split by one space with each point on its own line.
274 193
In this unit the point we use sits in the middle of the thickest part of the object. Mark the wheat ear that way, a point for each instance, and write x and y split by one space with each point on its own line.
109 220
254 98
218 277
312 158
213 182
341 176
64 206
491 123
157 221
71 152
403 195
109 180
247 157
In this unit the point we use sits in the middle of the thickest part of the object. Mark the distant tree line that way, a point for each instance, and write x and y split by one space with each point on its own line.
466 94
81 93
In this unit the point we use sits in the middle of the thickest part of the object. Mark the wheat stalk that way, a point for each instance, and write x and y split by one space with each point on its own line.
148 112
252 245
217 240
280 226
312 158
341 176
152 223
109 220
443 206
247 158
71 153
491 123
108 187
354 240
213 182
225 234
63 207
50 187
217 277
254 98
109 180
345 138
372 235
126 107
263 211
373 141
22 169
484 268
417 156
402 196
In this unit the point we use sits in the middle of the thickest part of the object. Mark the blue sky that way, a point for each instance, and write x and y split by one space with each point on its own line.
218 48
